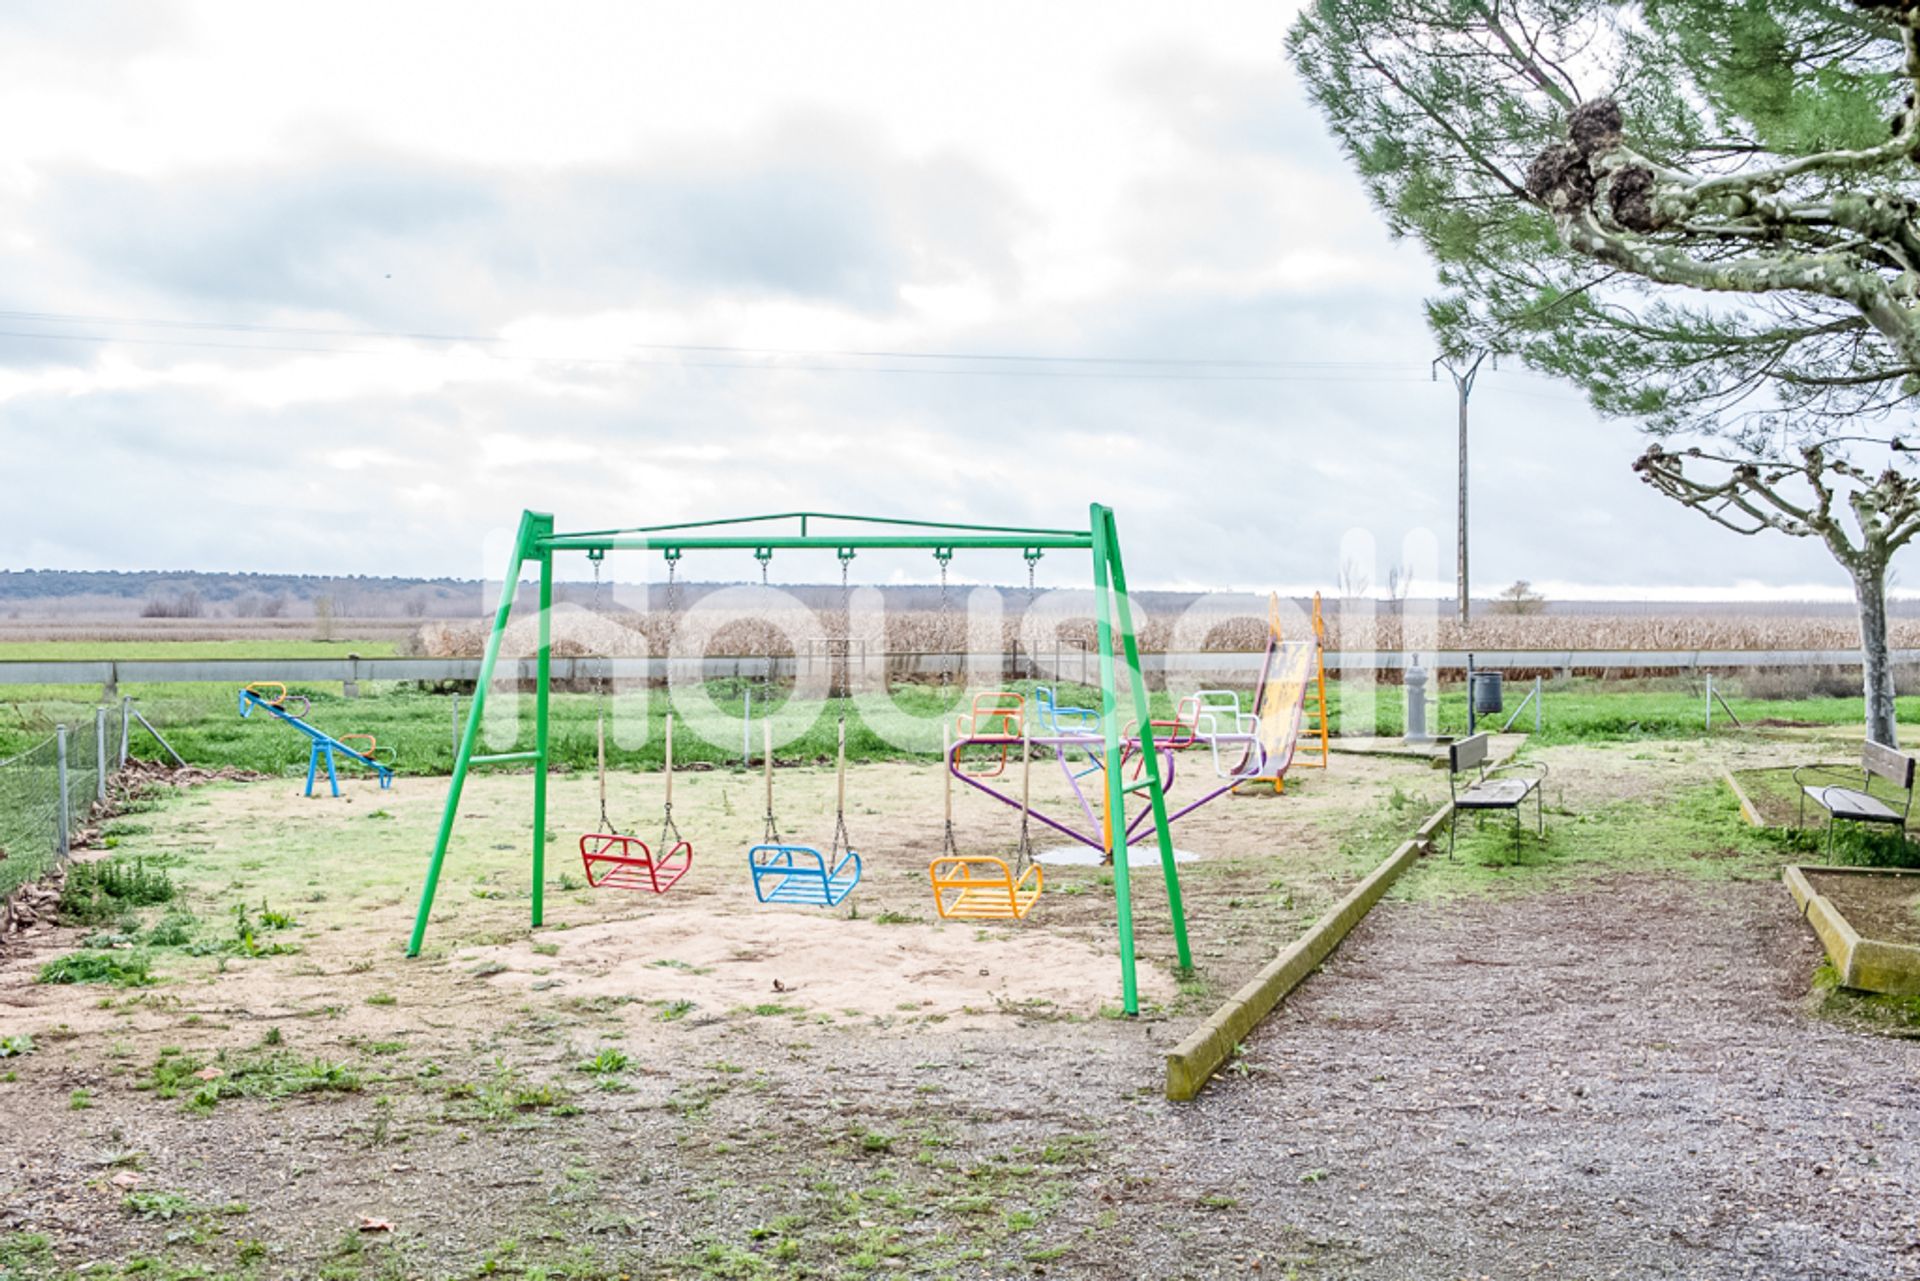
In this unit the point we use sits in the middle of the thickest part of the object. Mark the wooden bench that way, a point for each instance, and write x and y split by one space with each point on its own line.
1859 804
1487 792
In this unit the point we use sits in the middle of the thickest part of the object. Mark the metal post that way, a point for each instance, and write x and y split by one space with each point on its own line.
1709 700
1115 788
544 668
1538 698
100 754
1472 720
533 526
746 734
1463 374
126 727
60 774
456 723
1142 709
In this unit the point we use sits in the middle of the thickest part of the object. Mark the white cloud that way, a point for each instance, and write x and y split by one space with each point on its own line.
1072 179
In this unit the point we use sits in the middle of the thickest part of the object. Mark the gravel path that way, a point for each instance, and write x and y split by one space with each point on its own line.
1614 1081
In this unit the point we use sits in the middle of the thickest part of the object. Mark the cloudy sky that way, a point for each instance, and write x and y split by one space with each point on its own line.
341 289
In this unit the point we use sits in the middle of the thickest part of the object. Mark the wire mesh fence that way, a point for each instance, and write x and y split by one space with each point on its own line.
48 793
31 838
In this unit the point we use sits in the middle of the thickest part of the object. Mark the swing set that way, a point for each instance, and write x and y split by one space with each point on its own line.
777 865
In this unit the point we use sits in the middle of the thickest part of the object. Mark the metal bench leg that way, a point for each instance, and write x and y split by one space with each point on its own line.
1540 811
1453 829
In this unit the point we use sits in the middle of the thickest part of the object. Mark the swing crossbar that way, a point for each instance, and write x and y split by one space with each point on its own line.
798 874
980 887
501 758
616 862
1027 533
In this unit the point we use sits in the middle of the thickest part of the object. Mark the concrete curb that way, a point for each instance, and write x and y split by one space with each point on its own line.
1210 1045
1747 809
1867 965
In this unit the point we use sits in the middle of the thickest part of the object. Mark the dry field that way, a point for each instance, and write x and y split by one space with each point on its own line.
782 632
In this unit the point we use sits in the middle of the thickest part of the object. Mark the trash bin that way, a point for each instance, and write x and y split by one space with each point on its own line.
1484 689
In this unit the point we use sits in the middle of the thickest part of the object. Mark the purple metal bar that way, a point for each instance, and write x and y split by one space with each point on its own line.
1060 743
953 767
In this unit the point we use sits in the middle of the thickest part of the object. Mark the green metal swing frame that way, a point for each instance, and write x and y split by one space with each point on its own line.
537 542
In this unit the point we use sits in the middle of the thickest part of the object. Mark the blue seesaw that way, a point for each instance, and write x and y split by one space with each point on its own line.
325 745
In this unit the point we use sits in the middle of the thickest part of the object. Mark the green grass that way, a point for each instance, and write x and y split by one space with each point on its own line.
202 721
119 969
1697 833
1868 1011
1588 710
204 1083
105 890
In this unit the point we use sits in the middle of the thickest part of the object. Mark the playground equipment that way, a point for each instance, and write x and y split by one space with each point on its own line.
281 699
616 861
980 887
994 718
1281 709
786 873
537 542
325 746
1257 746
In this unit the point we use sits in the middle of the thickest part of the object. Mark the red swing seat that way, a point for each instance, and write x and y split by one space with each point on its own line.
626 863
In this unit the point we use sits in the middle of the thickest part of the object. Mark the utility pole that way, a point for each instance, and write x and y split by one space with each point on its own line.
1463 369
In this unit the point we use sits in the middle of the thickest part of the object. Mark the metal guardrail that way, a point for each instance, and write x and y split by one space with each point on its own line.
109 673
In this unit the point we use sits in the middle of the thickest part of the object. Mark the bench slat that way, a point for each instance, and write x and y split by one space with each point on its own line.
1851 803
1496 794
1889 763
1467 753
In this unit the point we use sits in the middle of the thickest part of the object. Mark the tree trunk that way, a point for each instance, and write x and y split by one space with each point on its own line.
1870 590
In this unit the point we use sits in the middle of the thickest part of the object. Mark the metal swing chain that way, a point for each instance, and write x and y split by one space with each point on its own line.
596 557
673 592
846 621
668 828
944 555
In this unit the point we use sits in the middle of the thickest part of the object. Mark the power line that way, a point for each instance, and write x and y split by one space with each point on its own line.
73 318
1331 374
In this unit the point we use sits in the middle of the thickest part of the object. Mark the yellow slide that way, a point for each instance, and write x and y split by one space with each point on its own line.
1290 670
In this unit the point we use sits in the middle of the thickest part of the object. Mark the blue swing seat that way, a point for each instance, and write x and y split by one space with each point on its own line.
797 874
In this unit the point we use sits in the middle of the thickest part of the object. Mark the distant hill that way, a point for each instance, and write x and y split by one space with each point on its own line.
32 594
58 594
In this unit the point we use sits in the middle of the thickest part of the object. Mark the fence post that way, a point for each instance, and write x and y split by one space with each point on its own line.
126 726
100 754
60 773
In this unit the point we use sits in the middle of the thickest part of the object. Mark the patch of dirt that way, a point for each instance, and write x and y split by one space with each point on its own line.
819 964
1879 905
